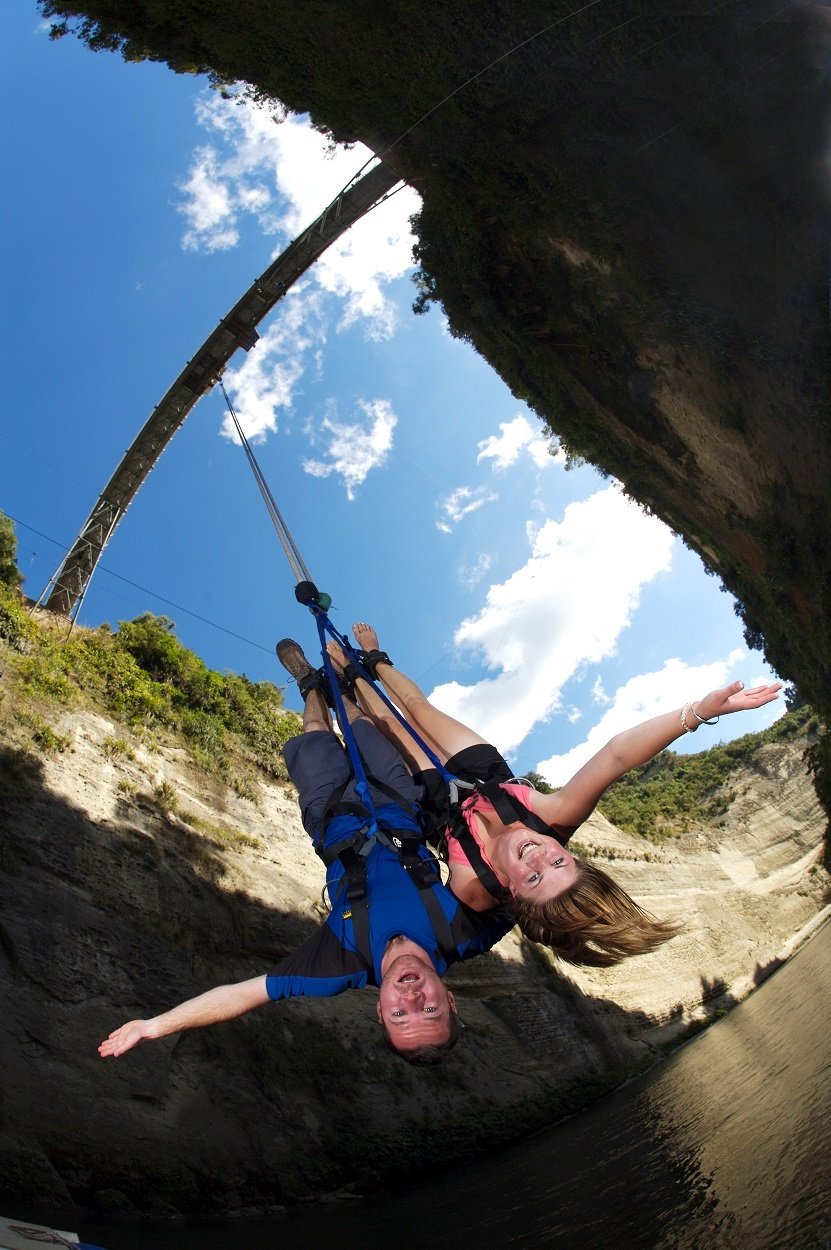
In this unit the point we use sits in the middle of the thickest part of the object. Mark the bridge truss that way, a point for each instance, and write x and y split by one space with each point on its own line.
65 592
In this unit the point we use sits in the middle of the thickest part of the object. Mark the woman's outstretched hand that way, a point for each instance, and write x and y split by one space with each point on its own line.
734 698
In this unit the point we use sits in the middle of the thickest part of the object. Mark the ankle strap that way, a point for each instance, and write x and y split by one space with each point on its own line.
315 680
371 660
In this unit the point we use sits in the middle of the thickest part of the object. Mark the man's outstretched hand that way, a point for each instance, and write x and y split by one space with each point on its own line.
225 1002
125 1038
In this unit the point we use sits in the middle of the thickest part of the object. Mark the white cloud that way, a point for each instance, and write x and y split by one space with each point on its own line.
564 609
375 251
649 695
355 449
209 210
282 175
267 377
598 693
461 503
471 574
513 438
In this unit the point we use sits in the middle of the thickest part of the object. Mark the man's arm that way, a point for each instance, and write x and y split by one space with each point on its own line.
226 1002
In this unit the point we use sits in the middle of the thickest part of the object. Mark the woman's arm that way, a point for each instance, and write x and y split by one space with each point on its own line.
469 889
226 1002
570 806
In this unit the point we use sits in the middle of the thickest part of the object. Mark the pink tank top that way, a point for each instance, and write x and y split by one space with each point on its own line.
455 854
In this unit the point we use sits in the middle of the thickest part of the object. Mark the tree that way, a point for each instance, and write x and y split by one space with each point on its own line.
10 574
538 782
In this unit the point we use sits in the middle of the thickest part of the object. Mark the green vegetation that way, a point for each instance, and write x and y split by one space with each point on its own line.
537 780
146 678
236 839
663 797
117 748
10 575
166 796
43 736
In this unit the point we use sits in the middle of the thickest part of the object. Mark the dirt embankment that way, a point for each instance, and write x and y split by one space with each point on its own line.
115 905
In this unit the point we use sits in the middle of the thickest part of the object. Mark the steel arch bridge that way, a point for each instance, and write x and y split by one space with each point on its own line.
65 592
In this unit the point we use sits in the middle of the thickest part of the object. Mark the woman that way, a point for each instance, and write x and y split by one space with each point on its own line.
558 900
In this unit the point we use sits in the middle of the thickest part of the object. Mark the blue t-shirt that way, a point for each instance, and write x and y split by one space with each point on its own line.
330 962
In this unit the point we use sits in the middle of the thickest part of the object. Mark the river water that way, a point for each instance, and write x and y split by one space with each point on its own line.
725 1146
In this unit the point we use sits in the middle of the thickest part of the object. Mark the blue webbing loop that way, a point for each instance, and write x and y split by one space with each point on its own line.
317 604
414 734
311 599
361 784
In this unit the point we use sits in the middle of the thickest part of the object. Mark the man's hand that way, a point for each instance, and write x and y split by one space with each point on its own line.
226 1002
125 1038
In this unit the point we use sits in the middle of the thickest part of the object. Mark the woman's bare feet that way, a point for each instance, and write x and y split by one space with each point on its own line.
365 636
337 655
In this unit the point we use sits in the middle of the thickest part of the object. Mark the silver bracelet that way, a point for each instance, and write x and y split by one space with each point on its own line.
701 721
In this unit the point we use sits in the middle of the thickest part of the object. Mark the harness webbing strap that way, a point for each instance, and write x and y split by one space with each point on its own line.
477 860
358 771
424 874
355 873
509 808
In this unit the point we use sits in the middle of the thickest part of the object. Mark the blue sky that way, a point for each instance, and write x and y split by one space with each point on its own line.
538 604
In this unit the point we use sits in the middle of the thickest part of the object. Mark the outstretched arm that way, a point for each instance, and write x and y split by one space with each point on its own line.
226 1002
570 806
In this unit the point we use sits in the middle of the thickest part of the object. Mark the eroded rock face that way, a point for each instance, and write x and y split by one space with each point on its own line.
114 906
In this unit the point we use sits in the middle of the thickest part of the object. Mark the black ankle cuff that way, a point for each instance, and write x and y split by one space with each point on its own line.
371 659
316 680
347 679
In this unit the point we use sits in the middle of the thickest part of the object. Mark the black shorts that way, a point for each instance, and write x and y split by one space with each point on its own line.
479 763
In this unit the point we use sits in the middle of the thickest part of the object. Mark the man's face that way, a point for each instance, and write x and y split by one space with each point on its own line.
413 1004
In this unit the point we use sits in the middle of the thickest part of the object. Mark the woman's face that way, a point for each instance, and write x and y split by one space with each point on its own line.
534 866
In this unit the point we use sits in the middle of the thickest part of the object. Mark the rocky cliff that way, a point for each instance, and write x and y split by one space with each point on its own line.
130 880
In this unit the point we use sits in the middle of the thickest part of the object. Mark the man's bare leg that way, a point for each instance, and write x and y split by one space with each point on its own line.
445 735
315 709
316 713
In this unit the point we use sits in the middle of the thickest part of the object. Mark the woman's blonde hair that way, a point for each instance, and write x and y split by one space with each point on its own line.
595 922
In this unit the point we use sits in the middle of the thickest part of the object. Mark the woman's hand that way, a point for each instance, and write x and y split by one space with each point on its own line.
734 698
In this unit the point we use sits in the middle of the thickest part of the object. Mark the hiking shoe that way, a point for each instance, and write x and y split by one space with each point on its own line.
290 654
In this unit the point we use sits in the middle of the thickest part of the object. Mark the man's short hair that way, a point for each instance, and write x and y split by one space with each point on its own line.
433 1052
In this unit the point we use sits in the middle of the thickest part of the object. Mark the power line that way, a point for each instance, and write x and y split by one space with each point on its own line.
145 590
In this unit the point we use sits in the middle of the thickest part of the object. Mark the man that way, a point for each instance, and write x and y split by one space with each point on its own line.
392 923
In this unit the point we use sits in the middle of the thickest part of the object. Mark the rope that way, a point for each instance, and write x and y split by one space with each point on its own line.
324 626
504 56
307 593
288 544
